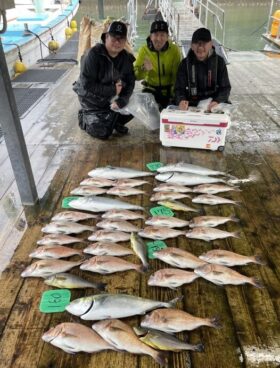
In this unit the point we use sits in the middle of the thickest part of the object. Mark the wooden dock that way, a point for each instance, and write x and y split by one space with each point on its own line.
61 155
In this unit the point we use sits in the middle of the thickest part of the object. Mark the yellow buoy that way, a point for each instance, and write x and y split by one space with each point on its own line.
68 32
73 24
19 67
274 30
53 45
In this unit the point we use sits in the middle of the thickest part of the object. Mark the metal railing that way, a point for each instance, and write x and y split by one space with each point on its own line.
132 20
172 17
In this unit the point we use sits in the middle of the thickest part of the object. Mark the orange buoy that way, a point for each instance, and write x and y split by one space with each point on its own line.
274 30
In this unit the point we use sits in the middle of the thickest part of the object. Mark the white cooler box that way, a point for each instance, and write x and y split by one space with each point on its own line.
193 129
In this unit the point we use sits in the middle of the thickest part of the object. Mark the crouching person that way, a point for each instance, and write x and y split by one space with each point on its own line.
105 84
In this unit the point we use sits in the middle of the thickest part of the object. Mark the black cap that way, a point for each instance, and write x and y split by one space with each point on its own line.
159 26
201 34
117 28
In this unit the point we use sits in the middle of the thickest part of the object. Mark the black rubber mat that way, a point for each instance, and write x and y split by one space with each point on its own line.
26 97
68 51
40 75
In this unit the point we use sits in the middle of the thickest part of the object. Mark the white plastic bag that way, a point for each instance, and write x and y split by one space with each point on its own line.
143 106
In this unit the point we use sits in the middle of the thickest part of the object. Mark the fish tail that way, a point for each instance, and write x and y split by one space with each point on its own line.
259 260
238 203
101 286
198 347
236 234
215 322
257 283
173 302
141 268
160 357
234 219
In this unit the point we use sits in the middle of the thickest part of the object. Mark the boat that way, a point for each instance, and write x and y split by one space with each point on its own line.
32 32
272 34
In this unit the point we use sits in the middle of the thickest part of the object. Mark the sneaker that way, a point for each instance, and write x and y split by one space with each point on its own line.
121 129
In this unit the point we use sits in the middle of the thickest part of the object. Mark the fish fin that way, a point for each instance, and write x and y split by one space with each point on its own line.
236 234
260 260
161 358
234 219
257 283
216 322
174 301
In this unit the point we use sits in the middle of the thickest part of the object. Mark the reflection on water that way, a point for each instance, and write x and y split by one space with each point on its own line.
244 23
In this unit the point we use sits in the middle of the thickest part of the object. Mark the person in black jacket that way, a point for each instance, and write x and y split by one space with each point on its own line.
105 84
202 74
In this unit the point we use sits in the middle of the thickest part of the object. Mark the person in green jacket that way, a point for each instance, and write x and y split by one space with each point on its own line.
157 64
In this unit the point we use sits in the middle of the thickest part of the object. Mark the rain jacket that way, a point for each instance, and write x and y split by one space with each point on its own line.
165 65
199 80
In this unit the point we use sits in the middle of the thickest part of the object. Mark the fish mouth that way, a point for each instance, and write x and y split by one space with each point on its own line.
50 335
79 309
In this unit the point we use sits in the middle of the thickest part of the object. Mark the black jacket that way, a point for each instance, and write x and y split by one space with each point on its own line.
197 80
99 74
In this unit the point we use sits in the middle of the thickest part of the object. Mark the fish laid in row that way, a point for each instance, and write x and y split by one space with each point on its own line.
73 216
87 190
122 215
70 281
210 221
111 172
177 257
48 267
166 221
66 227
109 235
109 264
107 249
171 278
54 252
160 233
59 239
229 259
177 206
124 191
97 182
140 249
119 225
210 233
187 178
214 188
213 200
166 196
190 168
165 187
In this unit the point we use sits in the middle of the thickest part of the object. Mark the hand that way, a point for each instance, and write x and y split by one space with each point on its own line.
183 105
114 106
118 87
211 105
147 65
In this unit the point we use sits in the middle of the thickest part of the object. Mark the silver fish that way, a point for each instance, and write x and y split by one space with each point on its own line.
171 278
166 221
64 227
213 200
162 196
120 225
187 178
48 267
70 281
164 187
104 306
140 249
124 192
189 168
87 190
107 249
111 172
214 188
73 216
177 206
54 252
74 337
101 204
129 183
210 221
176 320
160 233
123 338
109 264
59 239
122 215
97 182
177 257
164 341
221 275
108 235
209 233
229 259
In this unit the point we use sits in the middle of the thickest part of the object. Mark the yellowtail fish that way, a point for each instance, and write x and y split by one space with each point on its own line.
48 267
160 233
214 188
165 196
123 338
87 190
73 216
166 221
64 227
164 187
177 257
129 183
111 172
221 275
54 252
124 192
190 168
59 239
187 178
103 306
210 221
175 320
109 235
140 249
122 215
107 249
209 233
177 206
120 225
227 258
109 264
213 200
74 337
171 278
97 182
70 281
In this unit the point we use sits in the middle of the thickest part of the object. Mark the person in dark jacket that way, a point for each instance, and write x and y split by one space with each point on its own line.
202 74
105 84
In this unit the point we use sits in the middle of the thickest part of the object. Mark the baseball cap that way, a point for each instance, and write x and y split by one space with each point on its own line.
201 34
159 26
117 28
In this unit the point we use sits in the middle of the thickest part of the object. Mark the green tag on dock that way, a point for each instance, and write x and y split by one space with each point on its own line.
154 246
153 166
54 301
67 200
161 211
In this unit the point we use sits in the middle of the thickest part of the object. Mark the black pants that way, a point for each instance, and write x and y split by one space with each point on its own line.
100 124
162 100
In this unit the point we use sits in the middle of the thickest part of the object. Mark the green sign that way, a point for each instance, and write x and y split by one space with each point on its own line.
153 166
54 301
161 211
67 200
154 246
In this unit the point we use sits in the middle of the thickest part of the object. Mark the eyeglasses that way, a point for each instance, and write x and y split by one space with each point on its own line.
119 39
201 43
